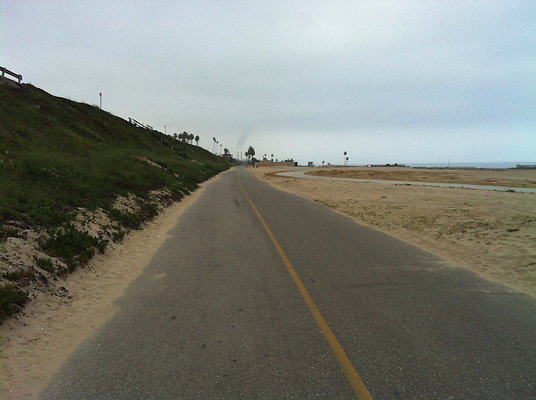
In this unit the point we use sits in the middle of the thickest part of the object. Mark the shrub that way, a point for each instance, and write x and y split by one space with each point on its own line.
72 246
19 275
126 219
147 210
11 300
44 263
7 231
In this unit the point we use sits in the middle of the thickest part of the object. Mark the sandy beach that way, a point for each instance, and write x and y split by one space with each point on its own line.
492 233
521 178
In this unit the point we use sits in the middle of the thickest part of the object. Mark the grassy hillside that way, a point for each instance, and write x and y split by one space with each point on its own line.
57 155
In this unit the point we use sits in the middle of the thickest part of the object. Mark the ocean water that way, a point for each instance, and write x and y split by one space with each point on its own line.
473 164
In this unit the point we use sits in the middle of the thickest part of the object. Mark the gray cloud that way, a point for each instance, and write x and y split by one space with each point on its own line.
285 75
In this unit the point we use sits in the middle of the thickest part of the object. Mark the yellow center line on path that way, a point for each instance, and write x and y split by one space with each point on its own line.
353 377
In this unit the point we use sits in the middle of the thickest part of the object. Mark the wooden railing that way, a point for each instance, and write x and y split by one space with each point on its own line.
139 124
6 71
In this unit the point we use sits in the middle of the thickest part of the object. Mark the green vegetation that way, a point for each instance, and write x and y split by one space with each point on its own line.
11 300
19 275
44 263
72 246
5 232
57 155
147 210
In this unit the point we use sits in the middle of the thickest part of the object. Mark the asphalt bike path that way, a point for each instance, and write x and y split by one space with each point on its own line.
260 294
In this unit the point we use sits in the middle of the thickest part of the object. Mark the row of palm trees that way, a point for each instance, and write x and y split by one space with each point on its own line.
251 152
218 149
186 137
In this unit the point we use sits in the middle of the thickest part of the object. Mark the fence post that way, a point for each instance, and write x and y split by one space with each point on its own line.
6 71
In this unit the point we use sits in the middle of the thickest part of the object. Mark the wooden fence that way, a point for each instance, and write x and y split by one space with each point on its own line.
6 71
139 124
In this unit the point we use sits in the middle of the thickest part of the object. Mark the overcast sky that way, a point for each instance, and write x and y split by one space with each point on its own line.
387 81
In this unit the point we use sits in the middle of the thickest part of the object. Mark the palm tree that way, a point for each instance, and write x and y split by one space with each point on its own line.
250 153
191 137
197 140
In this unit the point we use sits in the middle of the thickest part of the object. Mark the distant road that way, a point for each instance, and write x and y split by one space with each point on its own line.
260 294
303 174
